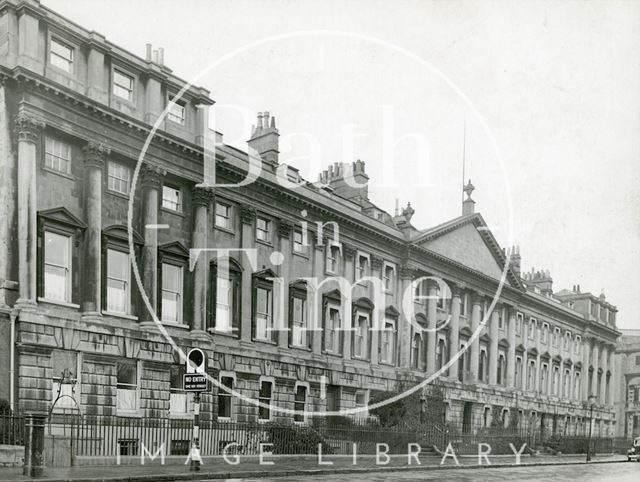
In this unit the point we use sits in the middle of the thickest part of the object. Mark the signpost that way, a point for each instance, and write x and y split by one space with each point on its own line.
195 380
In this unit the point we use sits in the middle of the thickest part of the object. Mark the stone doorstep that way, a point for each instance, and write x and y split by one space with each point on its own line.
11 455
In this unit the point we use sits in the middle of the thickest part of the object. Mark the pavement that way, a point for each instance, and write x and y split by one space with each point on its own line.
293 468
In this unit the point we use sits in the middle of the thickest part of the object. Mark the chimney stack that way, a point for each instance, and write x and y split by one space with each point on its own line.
514 258
161 56
348 180
264 139
148 53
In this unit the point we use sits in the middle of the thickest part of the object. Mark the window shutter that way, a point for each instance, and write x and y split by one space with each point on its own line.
253 308
211 303
76 253
237 302
40 261
134 291
290 320
103 281
325 304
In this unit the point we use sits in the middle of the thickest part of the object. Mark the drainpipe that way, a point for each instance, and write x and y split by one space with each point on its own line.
12 350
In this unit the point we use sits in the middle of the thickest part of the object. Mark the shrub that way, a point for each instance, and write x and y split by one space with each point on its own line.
290 439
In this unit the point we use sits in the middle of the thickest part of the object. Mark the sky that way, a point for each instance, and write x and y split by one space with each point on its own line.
540 98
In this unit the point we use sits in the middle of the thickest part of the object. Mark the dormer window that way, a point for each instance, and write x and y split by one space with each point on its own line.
61 55
176 111
122 85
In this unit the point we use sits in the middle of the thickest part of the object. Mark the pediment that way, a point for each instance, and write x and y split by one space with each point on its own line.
63 216
120 232
175 248
468 241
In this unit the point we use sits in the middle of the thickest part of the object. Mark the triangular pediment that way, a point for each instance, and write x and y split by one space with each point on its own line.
175 248
468 241
62 215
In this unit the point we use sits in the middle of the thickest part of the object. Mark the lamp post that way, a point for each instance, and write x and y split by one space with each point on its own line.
592 402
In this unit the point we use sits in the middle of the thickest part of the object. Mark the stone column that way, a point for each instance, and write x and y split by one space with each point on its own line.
493 347
584 374
151 181
454 336
281 303
202 198
432 319
348 258
28 129
605 365
474 347
247 217
596 365
317 312
94 158
511 356
377 317
404 328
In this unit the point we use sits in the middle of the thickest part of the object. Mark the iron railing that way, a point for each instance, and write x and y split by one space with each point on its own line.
11 429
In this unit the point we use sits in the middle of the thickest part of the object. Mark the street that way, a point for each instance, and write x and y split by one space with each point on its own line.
618 472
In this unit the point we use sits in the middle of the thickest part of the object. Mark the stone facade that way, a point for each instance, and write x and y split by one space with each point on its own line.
75 112
627 399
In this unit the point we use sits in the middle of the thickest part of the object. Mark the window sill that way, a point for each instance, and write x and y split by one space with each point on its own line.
66 304
127 413
265 243
181 416
299 347
225 419
301 255
117 194
228 334
66 175
174 324
115 314
263 340
224 230
179 214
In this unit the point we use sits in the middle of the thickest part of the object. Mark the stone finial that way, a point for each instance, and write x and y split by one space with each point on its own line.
28 127
95 153
408 212
468 204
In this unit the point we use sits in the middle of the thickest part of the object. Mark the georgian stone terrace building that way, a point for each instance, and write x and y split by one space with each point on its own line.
75 111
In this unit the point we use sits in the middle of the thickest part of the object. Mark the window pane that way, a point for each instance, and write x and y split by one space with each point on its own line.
117 281
127 374
57 266
170 198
